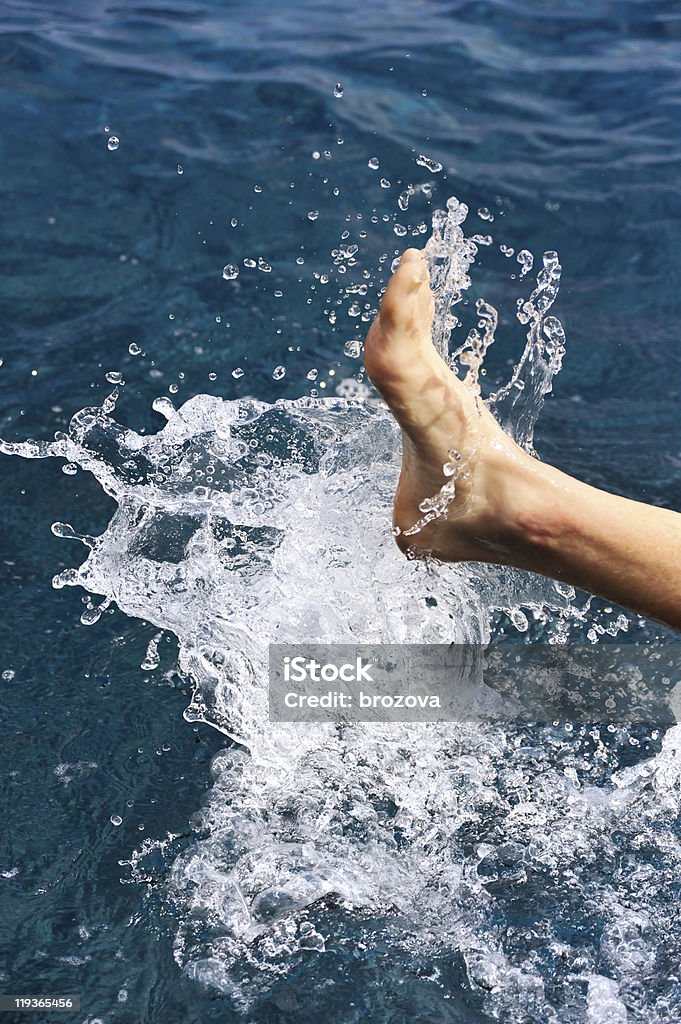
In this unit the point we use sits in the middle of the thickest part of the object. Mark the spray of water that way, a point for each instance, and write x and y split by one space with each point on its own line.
322 847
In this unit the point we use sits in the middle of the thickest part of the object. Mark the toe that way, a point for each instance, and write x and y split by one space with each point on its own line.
400 306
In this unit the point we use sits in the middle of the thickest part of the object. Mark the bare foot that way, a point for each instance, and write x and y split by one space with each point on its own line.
443 424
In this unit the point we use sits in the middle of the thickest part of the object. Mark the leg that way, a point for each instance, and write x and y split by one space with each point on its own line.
508 507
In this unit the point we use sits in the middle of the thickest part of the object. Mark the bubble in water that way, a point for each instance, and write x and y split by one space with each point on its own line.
507 250
230 271
312 374
385 183
180 169
400 230
69 468
278 372
257 188
212 375
374 163
113 142
248 262
431 165
338 90
485 214
134 349
352 348
114 377
264 266
313 214
116 820
237 372
8 675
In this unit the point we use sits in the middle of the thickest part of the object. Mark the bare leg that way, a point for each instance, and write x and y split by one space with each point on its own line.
508 508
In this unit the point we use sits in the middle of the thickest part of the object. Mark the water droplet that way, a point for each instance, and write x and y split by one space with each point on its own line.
352 348
526 261
113 143
116 820
519 620
163 406
278 372
374 163
230 271
180 169
237 372
338 90
114 377
313 214
134 349
431 165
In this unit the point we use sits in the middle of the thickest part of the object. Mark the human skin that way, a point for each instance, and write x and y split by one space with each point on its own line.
508 508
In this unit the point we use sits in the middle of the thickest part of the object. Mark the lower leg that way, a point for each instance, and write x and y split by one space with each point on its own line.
507 507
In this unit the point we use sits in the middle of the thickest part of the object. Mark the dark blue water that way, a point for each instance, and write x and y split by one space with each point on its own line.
561 118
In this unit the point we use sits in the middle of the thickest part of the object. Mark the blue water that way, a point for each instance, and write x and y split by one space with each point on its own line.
563 120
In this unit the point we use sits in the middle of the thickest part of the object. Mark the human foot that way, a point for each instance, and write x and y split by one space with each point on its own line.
451 442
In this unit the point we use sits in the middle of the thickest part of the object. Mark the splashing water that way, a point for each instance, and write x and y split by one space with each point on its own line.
322 848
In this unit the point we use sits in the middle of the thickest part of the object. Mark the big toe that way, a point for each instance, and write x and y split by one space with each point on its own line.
407 305
399 354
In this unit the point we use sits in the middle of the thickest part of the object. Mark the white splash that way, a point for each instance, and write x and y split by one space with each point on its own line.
323 847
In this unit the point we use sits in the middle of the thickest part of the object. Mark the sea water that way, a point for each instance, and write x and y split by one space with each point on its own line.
506 872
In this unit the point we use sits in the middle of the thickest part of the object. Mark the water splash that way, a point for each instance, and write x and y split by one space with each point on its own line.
321 848
450 256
